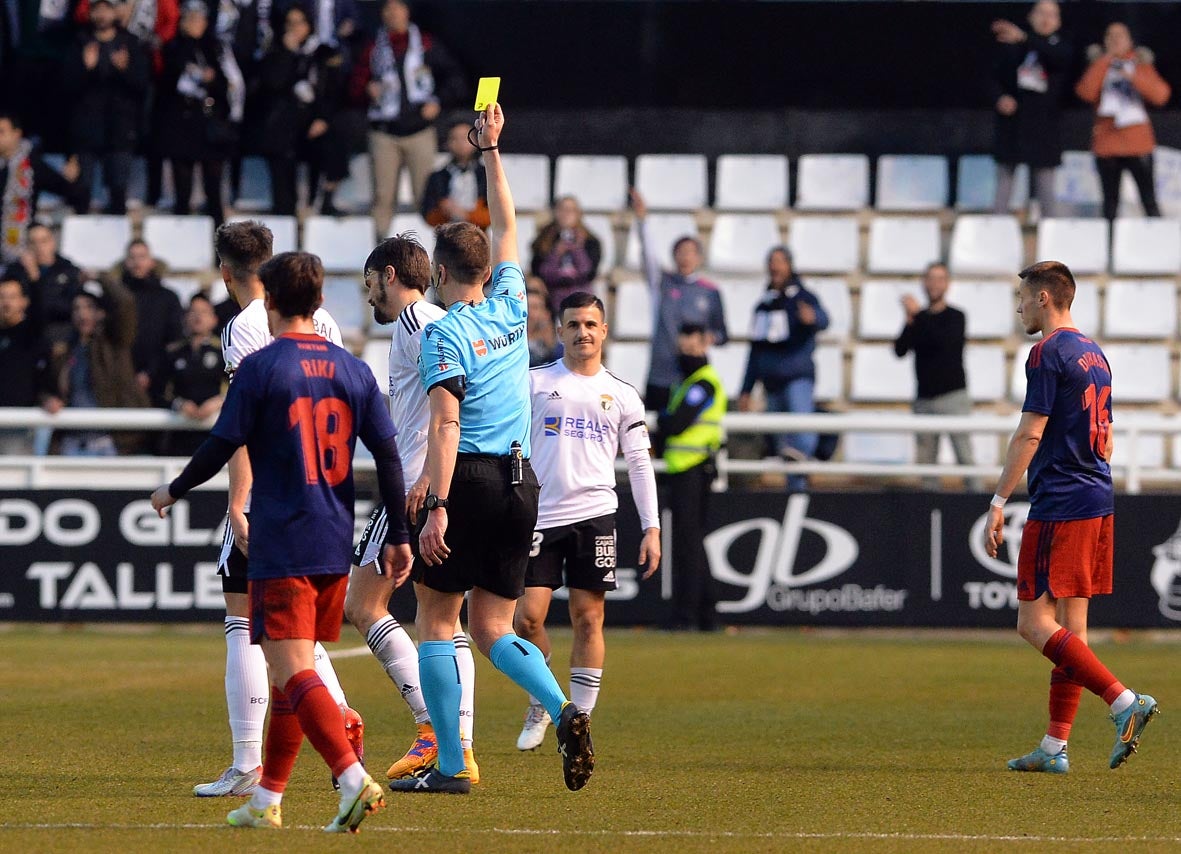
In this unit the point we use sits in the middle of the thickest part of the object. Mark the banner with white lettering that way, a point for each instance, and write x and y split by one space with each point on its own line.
826 559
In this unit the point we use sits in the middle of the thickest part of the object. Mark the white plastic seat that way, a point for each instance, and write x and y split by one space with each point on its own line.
526 234
183 286
740 295
1077 192
832 182
355 193
880 315
986 245
730 361
1146 247
284 230
889 448
184 243
989 307
254 186
663 230
1017 382
529 177
628 360
95 242
1080 244
598 182
739 242
1085 308
903 244
633 310
984 366
345 302
976 177
830 372
672 182
911 182
879 375
1140 309
1150 451
1167 171
601 226
1140 372
833 293
412 223
825 244
343 243
376 355
751 182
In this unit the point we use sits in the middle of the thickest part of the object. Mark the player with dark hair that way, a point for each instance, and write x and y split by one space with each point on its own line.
1064 439
583 415
299 406
475 368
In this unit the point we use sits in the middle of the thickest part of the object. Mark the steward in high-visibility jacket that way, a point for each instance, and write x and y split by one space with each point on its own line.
692 425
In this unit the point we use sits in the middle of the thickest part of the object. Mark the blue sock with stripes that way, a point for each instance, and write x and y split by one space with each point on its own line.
439 675
523 663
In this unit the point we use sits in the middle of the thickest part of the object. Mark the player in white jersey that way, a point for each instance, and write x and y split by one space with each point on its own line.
583 415
397 274
242 248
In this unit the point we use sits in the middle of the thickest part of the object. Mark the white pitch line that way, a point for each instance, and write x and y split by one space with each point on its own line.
351 652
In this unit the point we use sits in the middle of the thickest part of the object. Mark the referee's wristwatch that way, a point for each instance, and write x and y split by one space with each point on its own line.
434 502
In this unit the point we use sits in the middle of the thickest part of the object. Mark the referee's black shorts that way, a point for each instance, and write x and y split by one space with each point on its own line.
489 529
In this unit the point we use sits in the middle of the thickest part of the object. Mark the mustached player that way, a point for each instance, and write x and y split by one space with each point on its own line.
583 415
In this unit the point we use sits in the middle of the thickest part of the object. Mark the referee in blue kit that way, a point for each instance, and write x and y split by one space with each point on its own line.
478 516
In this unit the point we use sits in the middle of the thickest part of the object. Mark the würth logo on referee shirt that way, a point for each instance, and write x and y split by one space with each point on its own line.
480 347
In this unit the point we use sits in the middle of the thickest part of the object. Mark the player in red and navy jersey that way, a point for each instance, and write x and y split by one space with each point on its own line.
1064 440
299 405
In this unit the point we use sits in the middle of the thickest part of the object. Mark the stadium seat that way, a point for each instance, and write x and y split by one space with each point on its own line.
1146 247
1167 171
377 356
529 177
911 182
986 245
355 193
832 182
879 375
628 360
1085 308
598 182
1077 192
343 243
903 244
1080 244
1017 378
739 242
976 184
825 244
1150 451
405 223
285 230
881 316
1140 309
526 234
888 448
984 365
730 361
95 242
989 307
184 243
985 449
1140 372
602 227
633 310
830 373
751 182
344 300
833 293
672 182
254 187
663 230
183 286
740 295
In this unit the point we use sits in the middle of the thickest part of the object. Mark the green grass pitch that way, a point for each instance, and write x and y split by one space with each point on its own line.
764 740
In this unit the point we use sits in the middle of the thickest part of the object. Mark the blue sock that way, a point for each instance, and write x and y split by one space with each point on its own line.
523 663
438 674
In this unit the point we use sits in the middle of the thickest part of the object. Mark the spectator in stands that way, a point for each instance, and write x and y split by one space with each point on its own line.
783 340
159 311
24 360
459 191
50 281
1030 78
24 174
936 336
301 84
194 110
544 346
95 369
680 297
1120 80
334 22
566 255
405 78
109 76
193 379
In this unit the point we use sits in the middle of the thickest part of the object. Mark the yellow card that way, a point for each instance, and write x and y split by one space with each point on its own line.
486 92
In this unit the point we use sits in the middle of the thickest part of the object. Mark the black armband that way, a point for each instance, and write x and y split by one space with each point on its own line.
457 385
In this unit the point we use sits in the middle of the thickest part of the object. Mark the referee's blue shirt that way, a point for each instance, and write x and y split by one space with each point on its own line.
485 344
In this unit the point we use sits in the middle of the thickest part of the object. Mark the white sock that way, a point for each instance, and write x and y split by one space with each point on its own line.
263 798
327 675
352 778
1125 699
1052 746
467 689
398 656
584 687
533 701
247 693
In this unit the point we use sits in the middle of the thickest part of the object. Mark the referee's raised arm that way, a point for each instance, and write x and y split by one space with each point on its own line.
500 199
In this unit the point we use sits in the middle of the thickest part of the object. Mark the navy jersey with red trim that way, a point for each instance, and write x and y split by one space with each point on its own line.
299 406
1069 380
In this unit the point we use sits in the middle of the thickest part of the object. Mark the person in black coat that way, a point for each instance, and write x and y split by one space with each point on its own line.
1031 74
301 83
161 318
194 110
109 74
20 192
50 281
193 377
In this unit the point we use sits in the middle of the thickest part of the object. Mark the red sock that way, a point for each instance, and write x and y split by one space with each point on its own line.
321 720
1081 665
284 738
1064 697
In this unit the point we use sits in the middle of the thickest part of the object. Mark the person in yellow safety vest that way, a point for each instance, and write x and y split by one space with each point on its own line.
690 434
